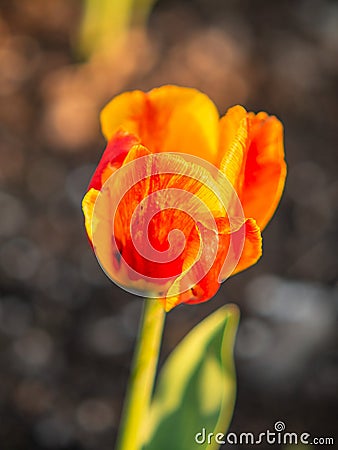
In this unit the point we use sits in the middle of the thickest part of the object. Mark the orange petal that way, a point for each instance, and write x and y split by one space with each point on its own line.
113 156
251 252
178 206
252 249
254 161
210 283
166 119
265 169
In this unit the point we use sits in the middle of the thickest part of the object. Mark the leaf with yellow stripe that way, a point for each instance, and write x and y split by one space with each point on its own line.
196 388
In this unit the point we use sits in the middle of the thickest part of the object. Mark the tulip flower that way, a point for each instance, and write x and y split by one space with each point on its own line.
177 204
171 121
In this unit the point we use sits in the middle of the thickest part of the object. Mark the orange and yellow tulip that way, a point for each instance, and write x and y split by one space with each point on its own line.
246 148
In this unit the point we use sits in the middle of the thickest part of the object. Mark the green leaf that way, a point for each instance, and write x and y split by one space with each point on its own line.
196 388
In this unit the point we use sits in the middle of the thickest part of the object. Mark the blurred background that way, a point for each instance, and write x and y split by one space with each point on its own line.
66 332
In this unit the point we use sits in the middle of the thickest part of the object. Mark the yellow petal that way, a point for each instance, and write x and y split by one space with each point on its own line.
232 142
88 204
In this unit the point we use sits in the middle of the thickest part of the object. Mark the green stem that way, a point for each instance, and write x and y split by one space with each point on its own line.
142 375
